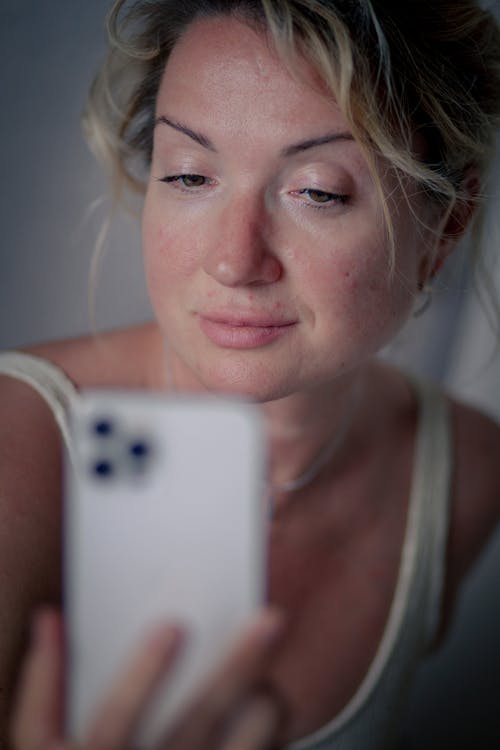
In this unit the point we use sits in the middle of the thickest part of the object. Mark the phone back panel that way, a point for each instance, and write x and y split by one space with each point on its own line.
164 521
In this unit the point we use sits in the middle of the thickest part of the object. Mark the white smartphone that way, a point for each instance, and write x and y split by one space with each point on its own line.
164 520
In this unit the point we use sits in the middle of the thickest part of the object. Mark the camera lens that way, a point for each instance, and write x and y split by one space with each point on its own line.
139 449
103 427
103 468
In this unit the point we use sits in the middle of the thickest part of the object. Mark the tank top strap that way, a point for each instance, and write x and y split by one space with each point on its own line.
52 384
432 489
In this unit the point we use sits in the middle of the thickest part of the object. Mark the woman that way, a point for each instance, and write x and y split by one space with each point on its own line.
310 166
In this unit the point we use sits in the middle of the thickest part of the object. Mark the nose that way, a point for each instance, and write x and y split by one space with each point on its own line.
239 251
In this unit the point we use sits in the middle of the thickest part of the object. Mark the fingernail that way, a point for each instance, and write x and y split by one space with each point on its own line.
270 625
166 636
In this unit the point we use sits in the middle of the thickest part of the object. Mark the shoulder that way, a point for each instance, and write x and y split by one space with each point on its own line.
29 438
475 482
476 485
126 357
30 444
475 498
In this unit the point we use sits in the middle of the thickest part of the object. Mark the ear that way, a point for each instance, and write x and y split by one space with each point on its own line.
454 225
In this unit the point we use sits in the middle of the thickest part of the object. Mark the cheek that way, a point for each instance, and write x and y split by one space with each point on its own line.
365 284
170 252
355 290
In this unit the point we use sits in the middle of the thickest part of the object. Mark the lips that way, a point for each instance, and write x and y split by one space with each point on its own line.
257 320
232 331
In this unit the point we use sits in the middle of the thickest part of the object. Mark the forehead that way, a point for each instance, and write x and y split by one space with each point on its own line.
222 69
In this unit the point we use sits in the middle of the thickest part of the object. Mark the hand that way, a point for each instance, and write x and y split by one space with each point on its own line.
232 711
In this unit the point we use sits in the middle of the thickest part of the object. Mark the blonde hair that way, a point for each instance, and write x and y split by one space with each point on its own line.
401 72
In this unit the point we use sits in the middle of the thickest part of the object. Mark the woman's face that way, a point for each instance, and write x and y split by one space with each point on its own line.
266 251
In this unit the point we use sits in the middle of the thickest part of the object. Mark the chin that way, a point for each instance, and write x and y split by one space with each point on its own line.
251 382
261 376
249 390
254 395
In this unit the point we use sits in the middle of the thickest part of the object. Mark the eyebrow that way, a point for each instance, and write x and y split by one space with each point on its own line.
297 148
291 150
198 137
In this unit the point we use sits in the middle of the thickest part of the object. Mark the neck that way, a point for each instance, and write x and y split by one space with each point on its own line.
308 430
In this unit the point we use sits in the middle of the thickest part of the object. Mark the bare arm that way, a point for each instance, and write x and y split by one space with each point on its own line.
30 465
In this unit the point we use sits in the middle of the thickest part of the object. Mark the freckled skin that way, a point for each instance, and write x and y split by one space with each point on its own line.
249 241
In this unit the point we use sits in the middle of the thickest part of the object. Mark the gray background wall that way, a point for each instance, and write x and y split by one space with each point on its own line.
48 53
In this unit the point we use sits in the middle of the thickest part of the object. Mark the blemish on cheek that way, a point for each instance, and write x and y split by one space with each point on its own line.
350 280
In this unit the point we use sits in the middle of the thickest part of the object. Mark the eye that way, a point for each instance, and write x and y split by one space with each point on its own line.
186 180
322 196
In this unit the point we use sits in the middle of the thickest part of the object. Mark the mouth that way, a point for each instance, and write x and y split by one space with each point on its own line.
243 332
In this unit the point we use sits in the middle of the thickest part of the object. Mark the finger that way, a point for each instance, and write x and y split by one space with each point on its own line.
116 721
255 727
37 720
242 670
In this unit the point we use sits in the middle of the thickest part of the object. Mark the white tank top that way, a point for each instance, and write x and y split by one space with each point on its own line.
371 717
